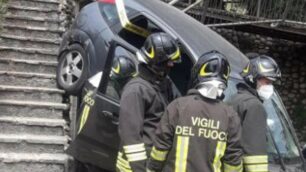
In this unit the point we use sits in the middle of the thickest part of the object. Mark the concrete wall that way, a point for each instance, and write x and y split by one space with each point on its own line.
291 57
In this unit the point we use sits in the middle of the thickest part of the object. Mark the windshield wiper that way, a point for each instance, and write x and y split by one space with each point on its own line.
277 150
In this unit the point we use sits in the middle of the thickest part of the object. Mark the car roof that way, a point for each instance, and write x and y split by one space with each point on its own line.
197 37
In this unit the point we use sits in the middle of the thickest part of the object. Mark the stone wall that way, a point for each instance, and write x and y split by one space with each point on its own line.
291 57
68 11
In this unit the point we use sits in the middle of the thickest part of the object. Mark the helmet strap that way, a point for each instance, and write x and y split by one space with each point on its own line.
251 81
160 72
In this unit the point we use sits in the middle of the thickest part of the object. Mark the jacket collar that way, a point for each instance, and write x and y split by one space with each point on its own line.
197 93
156 81
244 88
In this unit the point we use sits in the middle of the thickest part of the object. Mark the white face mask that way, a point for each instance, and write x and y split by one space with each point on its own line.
211 89
265 91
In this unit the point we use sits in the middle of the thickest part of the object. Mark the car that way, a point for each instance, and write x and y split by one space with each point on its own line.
99 35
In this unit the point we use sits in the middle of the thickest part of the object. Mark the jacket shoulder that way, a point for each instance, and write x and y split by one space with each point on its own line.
228 109
242 98
137 84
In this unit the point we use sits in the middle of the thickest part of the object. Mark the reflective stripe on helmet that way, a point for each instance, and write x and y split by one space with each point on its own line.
228 73
125 22
176 56
246 69
117 69
263 69
150 54
202 71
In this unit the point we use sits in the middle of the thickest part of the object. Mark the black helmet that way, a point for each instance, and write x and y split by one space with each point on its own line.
261 66
158 48
210 66
123 68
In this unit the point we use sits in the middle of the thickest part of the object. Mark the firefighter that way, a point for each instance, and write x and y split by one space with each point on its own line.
123 69
259 75
199 132
144 99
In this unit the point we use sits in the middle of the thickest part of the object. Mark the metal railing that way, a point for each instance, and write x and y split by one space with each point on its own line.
237 12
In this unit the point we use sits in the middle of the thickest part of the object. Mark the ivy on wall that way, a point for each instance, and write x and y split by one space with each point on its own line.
300 120
2 10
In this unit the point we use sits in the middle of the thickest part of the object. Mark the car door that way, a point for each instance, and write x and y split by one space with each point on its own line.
97 140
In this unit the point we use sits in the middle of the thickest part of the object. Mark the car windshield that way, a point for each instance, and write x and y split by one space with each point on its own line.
280 138
284 143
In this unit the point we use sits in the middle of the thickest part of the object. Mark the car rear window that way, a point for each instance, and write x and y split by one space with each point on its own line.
109 11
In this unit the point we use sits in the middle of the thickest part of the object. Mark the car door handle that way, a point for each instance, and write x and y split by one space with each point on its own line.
111 116
107 114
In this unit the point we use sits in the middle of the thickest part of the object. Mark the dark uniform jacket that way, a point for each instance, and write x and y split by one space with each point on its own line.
254 128
142 104
197 135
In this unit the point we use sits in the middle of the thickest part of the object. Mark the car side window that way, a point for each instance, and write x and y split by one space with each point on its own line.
109 12
180 73
123 69
136 39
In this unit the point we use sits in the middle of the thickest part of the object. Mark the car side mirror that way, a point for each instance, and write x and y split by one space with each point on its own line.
304 151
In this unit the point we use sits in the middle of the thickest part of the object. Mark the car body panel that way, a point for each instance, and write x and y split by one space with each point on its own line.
98 142
90 20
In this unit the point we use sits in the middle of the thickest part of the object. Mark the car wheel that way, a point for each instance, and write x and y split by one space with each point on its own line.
72 69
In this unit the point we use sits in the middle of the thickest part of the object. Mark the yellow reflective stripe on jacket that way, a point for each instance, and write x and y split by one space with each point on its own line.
122 169
256 168
84 117
181 153
122 161
134 148
137 156
220 149
148 170
123 165
257 159
125 22
232 168
158 154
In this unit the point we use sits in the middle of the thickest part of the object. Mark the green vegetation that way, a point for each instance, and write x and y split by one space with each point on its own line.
300 120
2 10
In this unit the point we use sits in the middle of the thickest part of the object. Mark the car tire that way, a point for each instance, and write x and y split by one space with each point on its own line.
72 69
